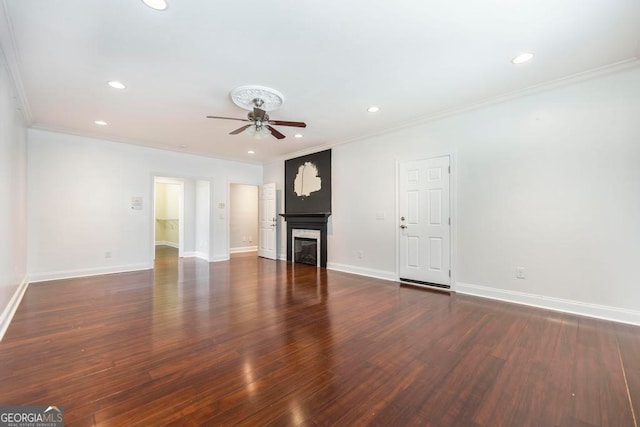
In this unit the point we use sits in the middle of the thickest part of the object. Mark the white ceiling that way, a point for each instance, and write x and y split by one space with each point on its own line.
330 59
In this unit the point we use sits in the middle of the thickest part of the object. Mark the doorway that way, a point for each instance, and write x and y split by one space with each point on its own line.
243 219
424 208
168 218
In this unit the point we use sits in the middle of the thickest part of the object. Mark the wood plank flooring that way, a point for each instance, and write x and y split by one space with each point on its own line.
259 342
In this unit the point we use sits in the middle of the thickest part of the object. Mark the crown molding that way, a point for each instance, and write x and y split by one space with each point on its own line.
9 55
609 69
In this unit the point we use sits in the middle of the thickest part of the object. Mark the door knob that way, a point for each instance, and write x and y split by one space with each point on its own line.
403 226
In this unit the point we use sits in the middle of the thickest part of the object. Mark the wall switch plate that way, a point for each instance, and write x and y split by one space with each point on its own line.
107 254
360 255
520 273
380 215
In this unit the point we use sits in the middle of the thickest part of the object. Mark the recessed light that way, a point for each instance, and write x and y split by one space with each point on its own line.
297 135
116 85
183 146
156 4
373 109
251 152
100 122
522 58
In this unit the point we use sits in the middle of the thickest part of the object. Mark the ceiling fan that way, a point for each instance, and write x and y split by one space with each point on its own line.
260 123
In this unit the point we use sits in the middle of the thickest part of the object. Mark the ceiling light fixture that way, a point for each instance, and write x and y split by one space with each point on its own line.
156 4
373 109
297 135
116 85
100 122
258 131
251 152
522 58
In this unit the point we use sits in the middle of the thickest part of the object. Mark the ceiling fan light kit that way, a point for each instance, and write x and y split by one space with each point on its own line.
258 100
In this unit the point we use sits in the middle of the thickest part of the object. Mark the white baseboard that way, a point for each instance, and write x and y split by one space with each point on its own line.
242 249
10 309
70 274
282 257
196 254
361 271
166 243
551 303
219 258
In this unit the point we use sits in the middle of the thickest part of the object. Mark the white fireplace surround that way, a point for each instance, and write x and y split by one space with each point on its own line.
306 234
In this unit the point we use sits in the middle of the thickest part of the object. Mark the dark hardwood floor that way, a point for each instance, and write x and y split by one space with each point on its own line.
259 342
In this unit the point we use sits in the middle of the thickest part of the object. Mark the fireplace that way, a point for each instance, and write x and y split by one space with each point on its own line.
307 205
306 233
306 246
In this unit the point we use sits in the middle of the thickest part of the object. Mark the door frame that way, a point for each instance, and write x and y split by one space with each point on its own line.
229 213
452 206
157 179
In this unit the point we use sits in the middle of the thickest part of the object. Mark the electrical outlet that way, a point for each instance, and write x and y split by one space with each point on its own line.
250 239
107 254
360 255
520 273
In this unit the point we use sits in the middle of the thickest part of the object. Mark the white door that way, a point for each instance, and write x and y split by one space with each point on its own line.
425 237
267 214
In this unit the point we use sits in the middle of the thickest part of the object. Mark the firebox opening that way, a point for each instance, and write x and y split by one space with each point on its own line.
306 250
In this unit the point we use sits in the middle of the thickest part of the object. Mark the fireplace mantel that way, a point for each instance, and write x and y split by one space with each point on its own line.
308 221
287 216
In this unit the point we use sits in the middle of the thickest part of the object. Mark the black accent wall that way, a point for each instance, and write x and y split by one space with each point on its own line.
317 201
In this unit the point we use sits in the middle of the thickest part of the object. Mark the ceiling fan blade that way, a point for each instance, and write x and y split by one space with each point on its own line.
275 132
227 118
283 123
239 130
259 113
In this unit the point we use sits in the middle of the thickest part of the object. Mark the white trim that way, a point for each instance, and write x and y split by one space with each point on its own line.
10 309
166 243
362 271
282 257
243 249
551 303
85 272
219 258
196 254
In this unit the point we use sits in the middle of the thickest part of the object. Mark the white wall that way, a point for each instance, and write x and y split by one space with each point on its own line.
13 189
80 192
243 216
549 182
